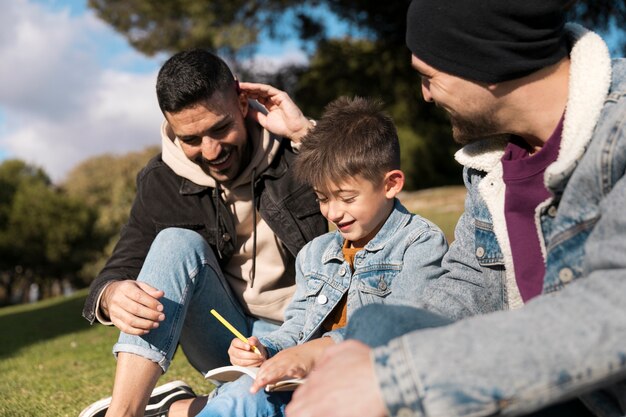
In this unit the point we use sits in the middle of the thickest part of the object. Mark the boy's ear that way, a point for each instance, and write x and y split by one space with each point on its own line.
393 183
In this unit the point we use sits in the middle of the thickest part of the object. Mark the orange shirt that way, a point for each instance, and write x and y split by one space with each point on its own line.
338 318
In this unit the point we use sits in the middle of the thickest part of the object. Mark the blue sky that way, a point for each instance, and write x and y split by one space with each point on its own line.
72 88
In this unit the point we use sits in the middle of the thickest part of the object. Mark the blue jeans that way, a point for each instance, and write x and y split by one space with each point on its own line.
183 265
233 399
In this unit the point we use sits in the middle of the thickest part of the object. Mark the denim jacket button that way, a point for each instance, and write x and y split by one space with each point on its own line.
552 211
322 299
382 285
342 271
566 275
480 252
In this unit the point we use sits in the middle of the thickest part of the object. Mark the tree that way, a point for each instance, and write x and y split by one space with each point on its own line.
373 61
45 235
235 25
106 184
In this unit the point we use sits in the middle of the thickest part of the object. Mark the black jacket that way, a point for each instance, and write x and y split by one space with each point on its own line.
164 199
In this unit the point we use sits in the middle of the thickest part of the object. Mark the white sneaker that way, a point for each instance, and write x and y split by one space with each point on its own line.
159 403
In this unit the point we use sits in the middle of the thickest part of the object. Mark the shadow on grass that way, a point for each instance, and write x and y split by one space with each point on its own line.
22 326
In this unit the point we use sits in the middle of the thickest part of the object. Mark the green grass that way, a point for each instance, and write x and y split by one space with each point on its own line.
442 206
53 363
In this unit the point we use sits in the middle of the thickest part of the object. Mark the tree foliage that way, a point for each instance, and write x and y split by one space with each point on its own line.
45 235
374 62
50 233
106 184
235 25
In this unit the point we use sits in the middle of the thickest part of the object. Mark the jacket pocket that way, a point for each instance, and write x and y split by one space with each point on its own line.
375 286
487 249
313 286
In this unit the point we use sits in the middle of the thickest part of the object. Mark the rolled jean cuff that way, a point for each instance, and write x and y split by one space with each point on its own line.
151 354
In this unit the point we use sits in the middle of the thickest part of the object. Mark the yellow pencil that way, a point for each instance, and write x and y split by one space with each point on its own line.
233 330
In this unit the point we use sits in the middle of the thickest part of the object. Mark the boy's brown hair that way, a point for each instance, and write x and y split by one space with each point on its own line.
353 137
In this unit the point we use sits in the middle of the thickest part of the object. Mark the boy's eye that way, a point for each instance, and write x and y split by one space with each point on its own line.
348 199
321 200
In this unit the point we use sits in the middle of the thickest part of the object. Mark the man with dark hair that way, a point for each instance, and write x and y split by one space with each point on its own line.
536 281
217 222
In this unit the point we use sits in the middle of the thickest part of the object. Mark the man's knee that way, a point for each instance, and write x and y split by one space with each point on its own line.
178 239
377 324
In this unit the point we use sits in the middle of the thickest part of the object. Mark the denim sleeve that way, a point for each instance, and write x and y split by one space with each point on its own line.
421 264
513 362
289 332
467 288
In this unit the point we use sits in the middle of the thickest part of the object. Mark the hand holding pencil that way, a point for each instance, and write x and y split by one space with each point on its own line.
243 351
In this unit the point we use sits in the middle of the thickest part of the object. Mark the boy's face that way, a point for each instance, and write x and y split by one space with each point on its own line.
359 207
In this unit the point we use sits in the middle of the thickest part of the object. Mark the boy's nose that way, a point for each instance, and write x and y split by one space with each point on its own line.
335 214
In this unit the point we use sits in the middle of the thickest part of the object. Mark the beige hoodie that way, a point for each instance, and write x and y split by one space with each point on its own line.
275 276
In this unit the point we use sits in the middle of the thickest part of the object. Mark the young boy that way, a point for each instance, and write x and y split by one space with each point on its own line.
380 253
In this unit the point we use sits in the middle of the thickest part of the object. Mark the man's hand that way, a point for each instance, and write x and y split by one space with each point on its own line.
284 118
342 384
294 362
133 306
242 354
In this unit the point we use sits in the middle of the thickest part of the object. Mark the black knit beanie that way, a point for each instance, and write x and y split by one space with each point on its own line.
487 40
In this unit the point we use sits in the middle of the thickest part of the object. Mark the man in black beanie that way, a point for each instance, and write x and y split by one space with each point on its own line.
530 318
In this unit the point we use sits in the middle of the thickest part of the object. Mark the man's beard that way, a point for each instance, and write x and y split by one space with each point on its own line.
468 130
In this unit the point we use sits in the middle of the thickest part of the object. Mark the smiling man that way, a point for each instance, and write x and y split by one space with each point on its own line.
217 222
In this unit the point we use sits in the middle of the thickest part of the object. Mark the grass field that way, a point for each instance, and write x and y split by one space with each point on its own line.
53 363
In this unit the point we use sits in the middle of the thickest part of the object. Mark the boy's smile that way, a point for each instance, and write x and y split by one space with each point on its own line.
357 207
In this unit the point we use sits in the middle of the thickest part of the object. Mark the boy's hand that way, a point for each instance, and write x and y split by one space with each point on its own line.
243 354
294 362
284 118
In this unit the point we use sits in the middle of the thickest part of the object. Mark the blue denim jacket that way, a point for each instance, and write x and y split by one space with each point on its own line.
394 267
570 341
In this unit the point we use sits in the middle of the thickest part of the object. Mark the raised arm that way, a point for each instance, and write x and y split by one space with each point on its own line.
283 117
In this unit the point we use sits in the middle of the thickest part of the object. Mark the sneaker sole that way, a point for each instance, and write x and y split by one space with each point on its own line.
103 404
156 409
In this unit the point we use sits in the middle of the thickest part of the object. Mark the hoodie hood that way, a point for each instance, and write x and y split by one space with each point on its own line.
256 247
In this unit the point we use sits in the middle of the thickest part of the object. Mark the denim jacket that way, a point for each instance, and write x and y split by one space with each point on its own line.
393 268
570 341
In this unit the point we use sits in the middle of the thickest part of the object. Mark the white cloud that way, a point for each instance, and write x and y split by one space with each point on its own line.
71 88
291 55
60 103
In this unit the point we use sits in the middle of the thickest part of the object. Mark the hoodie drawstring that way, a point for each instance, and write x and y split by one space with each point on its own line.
216 201
253 228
